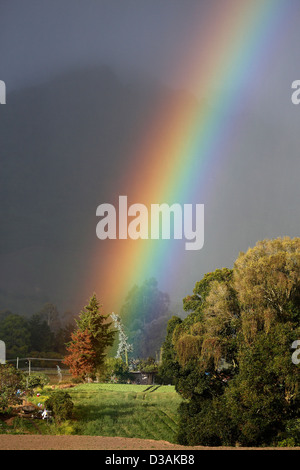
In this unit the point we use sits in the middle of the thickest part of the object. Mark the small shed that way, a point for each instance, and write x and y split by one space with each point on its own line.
143 378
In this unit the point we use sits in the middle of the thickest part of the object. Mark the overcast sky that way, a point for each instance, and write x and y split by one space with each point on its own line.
255 193
39 38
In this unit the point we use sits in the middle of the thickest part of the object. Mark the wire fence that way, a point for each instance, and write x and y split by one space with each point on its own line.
30 365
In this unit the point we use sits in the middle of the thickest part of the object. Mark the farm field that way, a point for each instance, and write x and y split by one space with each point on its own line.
107 417
131 411
108 410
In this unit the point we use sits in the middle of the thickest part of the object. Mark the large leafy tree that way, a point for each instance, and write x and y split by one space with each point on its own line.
209 330
169 366
234 351
145 314
41 336
264 398
15 332
267 280
50 314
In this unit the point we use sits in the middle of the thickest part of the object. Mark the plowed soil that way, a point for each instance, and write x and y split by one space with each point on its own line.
36 442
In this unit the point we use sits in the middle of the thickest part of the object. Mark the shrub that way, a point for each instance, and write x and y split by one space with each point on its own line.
37 379
116 370
10 381
61 405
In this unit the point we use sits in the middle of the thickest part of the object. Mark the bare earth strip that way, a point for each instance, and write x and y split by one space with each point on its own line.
36 442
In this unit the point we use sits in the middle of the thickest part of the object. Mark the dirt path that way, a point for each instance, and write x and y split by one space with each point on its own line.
38 442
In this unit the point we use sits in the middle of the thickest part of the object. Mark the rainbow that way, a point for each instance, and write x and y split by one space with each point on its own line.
189 141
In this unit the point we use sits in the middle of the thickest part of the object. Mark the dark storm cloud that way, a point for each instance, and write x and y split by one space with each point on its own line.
39 38
68 138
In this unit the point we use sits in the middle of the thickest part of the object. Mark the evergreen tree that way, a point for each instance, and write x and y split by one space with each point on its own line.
93 322
81 359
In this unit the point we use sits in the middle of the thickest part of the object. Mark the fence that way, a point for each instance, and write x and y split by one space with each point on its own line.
58 373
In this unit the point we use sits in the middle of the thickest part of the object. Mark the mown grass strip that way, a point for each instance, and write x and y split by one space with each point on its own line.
126 411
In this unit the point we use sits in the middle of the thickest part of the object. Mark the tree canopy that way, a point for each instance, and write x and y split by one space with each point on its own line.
231 357
145 315
33 336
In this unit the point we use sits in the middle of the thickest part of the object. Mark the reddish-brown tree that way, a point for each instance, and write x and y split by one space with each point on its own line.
81 357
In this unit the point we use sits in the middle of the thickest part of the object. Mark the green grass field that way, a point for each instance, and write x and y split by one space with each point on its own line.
138 411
